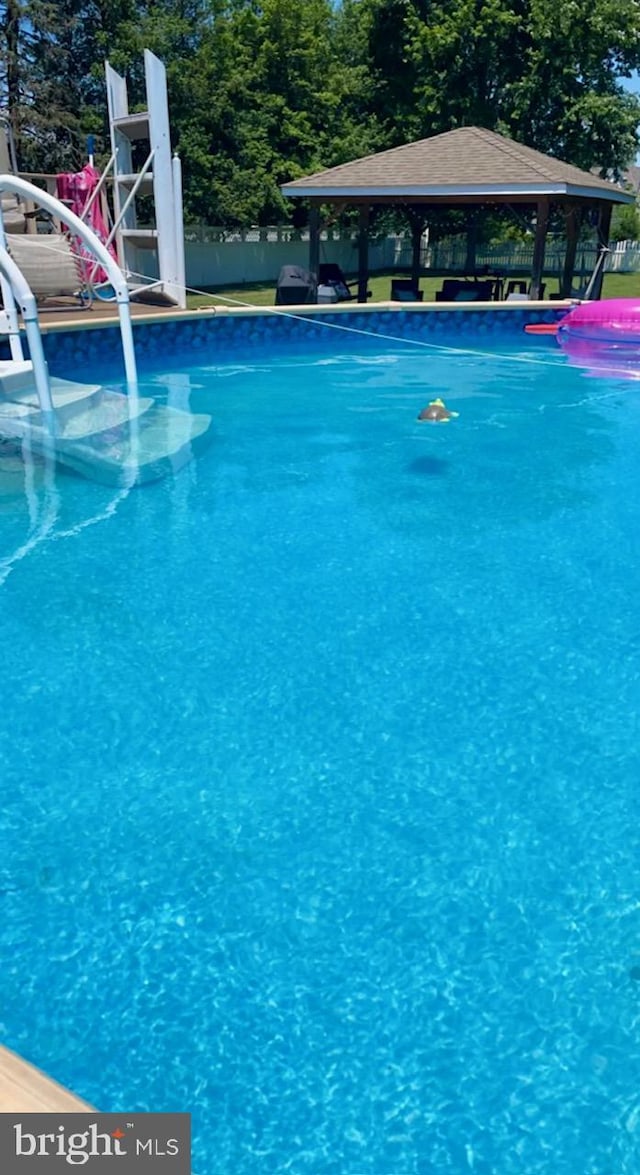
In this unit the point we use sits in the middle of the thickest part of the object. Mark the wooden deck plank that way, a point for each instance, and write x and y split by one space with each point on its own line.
25 1089
101 312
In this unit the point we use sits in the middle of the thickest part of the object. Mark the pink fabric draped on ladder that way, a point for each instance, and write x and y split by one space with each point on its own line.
75 188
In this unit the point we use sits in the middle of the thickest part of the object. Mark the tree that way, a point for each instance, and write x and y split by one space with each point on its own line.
437 65
262 91
567 99
546 73
38 88
262 99
625 223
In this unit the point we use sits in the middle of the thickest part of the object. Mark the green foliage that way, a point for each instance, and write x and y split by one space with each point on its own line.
263 91
625 223
41 98
567 99
546 73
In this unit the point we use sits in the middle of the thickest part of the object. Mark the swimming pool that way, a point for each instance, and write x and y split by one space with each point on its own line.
321 766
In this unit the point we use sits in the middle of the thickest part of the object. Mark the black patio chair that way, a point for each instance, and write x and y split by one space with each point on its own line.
403 290
463 291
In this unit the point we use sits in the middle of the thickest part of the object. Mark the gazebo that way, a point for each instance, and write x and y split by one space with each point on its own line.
466 168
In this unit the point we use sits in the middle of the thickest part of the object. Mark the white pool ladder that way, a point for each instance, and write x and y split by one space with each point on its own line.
17 295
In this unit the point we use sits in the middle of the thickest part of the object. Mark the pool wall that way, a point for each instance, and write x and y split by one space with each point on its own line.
159 338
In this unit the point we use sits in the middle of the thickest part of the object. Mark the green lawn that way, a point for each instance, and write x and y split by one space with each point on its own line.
616 285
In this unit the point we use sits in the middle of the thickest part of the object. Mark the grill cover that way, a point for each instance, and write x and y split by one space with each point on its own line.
296 287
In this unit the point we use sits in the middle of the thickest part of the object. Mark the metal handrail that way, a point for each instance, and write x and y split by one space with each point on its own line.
20 187
15 287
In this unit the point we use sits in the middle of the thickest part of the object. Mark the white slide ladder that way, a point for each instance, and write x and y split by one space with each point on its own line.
159 177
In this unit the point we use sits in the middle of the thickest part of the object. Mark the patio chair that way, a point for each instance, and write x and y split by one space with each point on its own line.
16 213
403 290
520 291
12 210
462 291
51 267
13 215
330 274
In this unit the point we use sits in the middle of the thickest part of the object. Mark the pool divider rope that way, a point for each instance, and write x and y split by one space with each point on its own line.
317 320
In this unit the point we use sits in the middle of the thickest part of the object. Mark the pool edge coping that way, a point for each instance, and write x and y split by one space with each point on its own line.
81 324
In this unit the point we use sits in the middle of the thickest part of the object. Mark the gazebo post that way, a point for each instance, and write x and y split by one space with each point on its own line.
416 249
604 227
572 223
542 218
472 240
314 238
417 224
363 252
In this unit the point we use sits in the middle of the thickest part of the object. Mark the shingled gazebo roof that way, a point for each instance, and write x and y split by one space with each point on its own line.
468 165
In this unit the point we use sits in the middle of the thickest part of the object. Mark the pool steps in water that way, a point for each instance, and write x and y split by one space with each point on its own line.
102 434
15 375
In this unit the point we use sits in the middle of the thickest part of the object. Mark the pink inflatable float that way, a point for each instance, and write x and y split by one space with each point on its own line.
602 357
616 320
603 337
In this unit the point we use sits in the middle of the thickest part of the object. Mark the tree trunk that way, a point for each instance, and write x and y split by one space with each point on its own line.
11 31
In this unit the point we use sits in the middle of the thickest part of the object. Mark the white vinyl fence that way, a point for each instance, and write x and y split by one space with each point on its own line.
512 257
624 257
218 256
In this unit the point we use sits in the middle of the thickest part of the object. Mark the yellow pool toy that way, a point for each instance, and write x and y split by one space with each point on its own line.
437 413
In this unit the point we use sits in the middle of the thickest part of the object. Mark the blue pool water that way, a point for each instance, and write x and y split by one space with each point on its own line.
320 768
